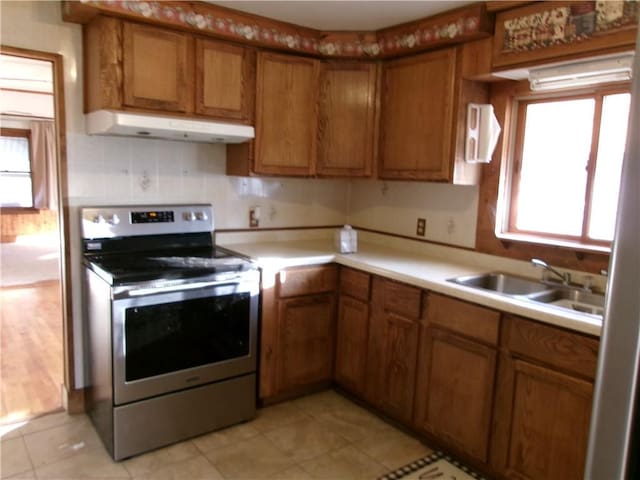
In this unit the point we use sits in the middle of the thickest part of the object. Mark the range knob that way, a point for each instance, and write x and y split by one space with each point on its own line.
189 216
114 219
202 216
99 218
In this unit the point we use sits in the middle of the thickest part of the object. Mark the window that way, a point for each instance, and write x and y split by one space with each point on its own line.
566 164
16 188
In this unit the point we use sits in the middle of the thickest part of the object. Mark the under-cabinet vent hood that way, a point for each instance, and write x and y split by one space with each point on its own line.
108 122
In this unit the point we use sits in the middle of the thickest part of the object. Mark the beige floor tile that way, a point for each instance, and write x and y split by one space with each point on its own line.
225 437
11 430
14 457
322 402
254 458
29 475
89 463
66 440
277 415
293 473
346 463
353 423
157 459
49 421
195 468
393 448
305 439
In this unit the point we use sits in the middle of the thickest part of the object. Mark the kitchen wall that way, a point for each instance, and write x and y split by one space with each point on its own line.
109 170
394 207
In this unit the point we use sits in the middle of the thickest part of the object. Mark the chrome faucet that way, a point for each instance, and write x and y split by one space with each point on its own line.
566 277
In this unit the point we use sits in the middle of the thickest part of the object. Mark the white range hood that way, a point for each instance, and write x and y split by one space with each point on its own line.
109 122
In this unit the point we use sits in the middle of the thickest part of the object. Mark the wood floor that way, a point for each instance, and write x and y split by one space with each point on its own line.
31 358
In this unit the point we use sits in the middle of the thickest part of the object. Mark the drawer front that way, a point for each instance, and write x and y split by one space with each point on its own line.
560 348
397 297
306 281
462 317
354 283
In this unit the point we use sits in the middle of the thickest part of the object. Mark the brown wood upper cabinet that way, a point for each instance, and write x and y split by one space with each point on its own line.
424 104
286 117
225 80
130 66
157 67
347 119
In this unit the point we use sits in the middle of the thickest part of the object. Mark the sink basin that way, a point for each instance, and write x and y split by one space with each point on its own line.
502 283
573 299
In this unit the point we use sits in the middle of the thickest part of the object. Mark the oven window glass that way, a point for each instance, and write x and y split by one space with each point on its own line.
169 337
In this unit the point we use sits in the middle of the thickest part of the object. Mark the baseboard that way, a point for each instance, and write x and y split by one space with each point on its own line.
73 401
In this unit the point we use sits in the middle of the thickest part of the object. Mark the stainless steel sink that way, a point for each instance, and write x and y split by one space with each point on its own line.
556 295
573 299
502 283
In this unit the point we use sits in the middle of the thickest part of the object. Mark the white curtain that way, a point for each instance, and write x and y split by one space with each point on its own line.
43 165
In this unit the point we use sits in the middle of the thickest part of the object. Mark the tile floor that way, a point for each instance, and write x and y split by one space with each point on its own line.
321 436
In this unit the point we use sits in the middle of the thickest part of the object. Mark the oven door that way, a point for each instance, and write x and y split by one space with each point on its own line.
168 339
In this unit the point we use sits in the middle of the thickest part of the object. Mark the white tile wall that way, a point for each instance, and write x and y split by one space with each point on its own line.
394 207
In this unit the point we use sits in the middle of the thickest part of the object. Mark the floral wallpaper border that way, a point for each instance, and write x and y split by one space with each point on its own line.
290 38
575 22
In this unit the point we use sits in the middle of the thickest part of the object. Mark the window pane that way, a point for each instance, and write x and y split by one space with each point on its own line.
15 190
14 152
604 196
553 173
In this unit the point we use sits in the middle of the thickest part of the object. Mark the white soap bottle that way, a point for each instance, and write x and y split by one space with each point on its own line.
346 240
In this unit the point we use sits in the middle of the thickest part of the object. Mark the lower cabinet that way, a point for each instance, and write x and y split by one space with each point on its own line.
352 336
510 395
454 391
543 406
393 347
297 334
306 340
456 374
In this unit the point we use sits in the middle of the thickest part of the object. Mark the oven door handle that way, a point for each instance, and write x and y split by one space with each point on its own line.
154 290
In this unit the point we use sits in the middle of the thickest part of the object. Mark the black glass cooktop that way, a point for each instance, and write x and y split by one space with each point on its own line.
165 265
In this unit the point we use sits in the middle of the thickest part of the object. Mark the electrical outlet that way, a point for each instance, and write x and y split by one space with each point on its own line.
254 217
421 227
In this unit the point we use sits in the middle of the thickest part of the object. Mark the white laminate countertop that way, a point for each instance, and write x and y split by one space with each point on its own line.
412 268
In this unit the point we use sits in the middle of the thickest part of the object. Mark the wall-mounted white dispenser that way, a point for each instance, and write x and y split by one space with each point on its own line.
483 131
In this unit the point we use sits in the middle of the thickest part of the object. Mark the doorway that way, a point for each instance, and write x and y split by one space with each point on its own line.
31 300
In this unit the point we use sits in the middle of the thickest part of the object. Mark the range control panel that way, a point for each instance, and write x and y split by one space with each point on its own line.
125 221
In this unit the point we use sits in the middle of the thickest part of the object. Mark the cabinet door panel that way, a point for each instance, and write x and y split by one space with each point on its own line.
306 340
417 116
225 80
152 79
399 374
549 430
454 397
346 119
351 344
286 114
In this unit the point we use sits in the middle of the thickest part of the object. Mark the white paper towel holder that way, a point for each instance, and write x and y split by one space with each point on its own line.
483 131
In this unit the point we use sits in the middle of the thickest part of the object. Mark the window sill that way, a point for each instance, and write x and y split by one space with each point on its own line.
553 242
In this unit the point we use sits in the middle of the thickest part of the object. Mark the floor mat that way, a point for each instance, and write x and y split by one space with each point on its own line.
436 466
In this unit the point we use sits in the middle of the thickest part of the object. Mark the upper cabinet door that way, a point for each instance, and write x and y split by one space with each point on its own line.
286 117
417 117
157 68
346 124
225 80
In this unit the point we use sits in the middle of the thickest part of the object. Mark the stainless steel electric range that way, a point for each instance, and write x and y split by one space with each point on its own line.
171 326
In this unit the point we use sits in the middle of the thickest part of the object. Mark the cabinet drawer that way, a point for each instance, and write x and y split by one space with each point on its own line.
465 318
355 283
397 297
305 281
563 349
